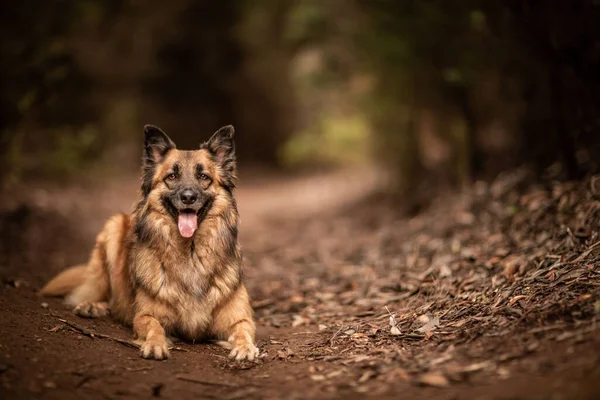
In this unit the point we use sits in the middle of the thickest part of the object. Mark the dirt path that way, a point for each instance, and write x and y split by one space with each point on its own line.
491 296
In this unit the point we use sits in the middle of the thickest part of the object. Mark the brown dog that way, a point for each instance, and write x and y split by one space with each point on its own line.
173 266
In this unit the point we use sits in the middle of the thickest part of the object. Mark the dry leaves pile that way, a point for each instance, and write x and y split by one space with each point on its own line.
465 288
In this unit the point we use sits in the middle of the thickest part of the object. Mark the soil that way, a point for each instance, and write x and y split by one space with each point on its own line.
493 293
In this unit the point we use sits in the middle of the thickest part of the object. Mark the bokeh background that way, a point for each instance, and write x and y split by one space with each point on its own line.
419 197
440 92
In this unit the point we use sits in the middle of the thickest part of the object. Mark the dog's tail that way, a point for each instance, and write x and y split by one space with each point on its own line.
65 282
90 283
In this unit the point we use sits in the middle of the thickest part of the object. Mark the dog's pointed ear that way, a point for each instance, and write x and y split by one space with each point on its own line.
156 144
221 145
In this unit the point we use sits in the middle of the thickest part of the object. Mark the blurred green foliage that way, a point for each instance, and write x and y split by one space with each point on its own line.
73 148
502 83
44 102
332 140
440 90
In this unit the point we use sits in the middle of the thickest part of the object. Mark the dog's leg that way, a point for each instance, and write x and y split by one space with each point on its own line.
150 331
92 309
234 322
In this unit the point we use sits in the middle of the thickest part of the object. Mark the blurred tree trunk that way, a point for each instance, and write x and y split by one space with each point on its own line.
222 68
565 141
544 105
38 77
564 39
472 153
263 92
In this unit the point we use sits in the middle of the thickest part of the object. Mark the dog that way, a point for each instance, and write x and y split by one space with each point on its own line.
173 267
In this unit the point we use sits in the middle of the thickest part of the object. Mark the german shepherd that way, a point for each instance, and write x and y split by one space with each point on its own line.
172 267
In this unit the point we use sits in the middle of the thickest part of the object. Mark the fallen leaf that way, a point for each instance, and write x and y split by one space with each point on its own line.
515 299
583 297
334 374
56 328
394 330
551 275
298 321
458 324
429 326
395 374
285 353
49 385
366 376
423 319
441 360
510 268
477 366
357 359
445 271
435 379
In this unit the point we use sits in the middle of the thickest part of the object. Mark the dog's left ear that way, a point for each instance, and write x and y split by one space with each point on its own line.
221 145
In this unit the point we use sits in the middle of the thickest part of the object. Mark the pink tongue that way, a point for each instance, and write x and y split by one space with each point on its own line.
187 224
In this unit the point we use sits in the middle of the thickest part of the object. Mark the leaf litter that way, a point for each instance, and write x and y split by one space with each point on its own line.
466 288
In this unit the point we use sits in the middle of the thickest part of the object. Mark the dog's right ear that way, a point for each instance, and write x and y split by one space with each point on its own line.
156 144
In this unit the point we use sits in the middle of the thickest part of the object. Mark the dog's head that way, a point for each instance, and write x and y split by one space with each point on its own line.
188 185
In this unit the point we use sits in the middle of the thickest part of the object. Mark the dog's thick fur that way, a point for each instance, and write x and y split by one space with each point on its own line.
146 273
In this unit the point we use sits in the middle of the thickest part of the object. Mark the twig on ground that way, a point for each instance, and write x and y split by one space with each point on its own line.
194 379
335 335
84 331
88 333
586 253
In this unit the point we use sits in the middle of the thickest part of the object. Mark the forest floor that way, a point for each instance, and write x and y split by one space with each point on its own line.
493 293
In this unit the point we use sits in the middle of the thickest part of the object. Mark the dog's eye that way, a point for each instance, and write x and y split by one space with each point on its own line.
172 177
204 177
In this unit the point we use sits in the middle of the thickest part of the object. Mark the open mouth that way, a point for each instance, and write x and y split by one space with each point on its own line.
187 222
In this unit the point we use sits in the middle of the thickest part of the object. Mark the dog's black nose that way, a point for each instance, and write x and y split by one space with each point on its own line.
188 197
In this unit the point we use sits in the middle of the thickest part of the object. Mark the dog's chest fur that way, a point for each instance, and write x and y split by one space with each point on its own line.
183 281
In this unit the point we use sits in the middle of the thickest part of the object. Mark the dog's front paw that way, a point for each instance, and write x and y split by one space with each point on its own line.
243 351
91 310
154 350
